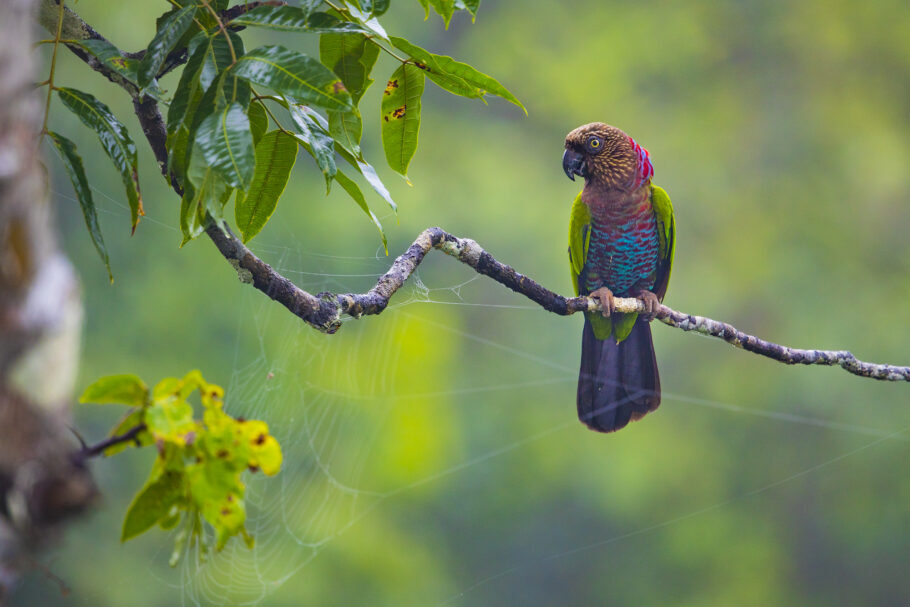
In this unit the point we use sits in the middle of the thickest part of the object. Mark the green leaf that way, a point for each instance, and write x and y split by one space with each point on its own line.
295 19
374 7
171 30
445 8
171 420
259 121
426 8
152 504
346 128
117 389
110 56
317 140
192 213
294 74
275 156
115 140
204 193
427 62
218 58
189 85
369 22
443 65
210 102
468 5
401 116
369 173
354 192
351 57
225 141
73 164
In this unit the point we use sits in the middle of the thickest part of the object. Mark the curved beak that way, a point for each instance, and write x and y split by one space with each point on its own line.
573 164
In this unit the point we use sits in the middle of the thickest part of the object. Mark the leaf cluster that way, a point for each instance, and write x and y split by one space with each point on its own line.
238 117
197 476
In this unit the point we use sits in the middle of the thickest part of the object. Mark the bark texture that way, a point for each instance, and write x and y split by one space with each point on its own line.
40 320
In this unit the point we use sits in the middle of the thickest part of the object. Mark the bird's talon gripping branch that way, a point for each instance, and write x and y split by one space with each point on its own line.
605 297
651 303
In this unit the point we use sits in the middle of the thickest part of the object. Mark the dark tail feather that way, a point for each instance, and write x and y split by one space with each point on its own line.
617 383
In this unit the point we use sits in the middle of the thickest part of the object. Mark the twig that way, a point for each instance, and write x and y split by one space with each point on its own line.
50 78
98 449
324 311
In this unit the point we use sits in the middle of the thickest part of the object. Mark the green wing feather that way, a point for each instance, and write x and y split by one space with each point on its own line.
666 235
579 239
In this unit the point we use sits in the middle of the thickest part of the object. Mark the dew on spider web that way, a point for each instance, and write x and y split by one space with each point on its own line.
334 403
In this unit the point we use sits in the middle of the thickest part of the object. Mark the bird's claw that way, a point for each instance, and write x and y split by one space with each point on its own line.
651 303
605 297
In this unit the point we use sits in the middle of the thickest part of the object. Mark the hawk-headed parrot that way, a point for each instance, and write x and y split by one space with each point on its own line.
621 241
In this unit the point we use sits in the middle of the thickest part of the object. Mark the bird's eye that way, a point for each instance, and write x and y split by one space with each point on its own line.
594 143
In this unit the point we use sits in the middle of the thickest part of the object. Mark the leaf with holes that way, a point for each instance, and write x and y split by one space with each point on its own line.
226 143
356 194
401 116
275 156
115 140
72 162
442 66
171 30
294 74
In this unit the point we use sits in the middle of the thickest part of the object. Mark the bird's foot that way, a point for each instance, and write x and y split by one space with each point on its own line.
605 297
652 304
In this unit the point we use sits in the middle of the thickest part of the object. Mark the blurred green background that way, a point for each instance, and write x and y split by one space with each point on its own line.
432 455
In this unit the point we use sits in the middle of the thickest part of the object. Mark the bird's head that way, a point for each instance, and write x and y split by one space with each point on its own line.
606 157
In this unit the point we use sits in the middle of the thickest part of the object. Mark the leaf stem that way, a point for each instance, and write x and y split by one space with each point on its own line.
370 38
217 17
259 98
50 77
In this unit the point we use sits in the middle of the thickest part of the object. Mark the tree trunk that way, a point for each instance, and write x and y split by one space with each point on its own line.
40 320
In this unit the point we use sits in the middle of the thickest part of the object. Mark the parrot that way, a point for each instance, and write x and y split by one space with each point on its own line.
622 236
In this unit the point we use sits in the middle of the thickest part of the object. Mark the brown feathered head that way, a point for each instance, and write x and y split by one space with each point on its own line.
606 157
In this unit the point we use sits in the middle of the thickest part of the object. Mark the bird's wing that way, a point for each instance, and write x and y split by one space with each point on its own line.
666 235
579 237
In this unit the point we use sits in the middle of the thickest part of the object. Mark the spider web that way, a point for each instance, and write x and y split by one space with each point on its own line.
340 407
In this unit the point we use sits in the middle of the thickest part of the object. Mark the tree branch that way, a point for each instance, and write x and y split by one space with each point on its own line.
324 311
97 449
